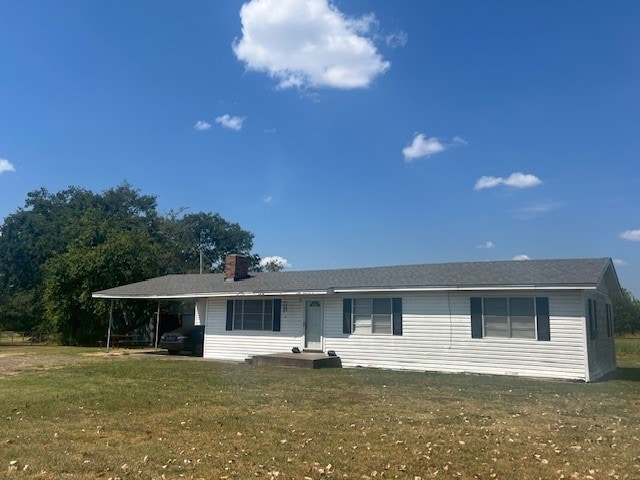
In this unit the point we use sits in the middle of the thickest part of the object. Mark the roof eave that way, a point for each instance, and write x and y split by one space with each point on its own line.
350 290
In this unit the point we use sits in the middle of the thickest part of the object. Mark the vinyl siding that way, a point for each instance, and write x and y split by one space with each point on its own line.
200 312
241 344
436 337
601 350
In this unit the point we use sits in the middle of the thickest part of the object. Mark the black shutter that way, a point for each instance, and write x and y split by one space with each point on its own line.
396 305
277 304
229 315
346 315
593 332
542 311
476 317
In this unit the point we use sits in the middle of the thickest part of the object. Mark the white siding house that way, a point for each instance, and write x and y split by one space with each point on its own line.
538 318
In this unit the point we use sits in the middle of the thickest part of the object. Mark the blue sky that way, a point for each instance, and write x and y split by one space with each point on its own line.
341 134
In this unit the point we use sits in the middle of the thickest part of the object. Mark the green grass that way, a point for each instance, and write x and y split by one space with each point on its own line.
141 416
628 347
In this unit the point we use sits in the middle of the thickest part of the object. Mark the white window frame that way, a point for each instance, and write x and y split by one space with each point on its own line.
239 315
366 324
509 330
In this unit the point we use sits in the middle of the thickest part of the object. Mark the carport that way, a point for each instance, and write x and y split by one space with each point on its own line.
150 290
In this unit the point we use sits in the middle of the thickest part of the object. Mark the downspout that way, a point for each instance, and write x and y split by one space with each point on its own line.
585 332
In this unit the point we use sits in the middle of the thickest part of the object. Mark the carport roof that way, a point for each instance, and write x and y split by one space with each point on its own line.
499 275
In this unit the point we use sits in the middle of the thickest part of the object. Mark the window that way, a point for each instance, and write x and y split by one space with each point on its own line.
597 310
253 315
510 317
374 316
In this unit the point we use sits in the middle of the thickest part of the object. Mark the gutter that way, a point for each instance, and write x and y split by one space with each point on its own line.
332 291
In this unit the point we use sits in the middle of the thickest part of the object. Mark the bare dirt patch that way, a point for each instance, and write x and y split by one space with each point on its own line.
14 363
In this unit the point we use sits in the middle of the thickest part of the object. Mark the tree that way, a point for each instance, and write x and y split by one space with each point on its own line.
59 248
626 312
29 237
123 257
185 236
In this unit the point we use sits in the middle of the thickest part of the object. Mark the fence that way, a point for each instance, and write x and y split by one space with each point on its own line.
10 338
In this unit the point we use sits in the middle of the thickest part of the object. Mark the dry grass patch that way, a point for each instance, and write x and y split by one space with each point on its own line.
148 417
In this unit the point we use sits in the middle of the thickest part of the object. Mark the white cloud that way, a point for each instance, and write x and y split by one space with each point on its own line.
515 180
421 146
227 121
536 210
202 125
308 43
618 262
631 235
267 199
487 244
6 166
521 257
458 140
274 263
394 40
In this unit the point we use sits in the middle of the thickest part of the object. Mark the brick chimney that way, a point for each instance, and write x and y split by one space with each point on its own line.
236 267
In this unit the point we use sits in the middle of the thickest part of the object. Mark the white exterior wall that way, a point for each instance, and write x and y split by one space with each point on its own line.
601 350
200 312
241 344
436 340
436 337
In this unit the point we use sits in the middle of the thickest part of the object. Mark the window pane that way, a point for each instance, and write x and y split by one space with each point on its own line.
495 326
253 306
362 306
381 305
523 327
381 324
237 307
362 323
252 321
268 321
268 306
521 307
237 321
495 306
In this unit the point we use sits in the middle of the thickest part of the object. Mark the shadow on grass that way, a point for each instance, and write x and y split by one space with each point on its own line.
627 374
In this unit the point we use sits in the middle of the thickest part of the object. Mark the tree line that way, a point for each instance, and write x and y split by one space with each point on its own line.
60 247
626 313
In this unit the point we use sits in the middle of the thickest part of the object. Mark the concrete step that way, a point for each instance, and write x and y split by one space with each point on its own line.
300 360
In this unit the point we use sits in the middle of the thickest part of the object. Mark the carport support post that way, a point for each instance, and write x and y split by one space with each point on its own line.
110 325
157 325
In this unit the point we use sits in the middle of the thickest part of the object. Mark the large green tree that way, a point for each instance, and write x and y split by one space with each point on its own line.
626 312
61 247
189 236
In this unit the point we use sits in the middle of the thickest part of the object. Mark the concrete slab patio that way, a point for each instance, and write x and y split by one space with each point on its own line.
300 360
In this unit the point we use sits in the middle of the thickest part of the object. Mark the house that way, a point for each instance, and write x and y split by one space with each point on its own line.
536 318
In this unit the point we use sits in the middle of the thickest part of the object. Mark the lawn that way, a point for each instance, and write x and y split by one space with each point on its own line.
71 413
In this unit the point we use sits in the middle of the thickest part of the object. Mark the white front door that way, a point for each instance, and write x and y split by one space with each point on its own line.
313 325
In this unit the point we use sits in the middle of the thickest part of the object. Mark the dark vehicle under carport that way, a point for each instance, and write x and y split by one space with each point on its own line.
184 339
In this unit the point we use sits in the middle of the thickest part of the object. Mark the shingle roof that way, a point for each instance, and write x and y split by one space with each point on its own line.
570 273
